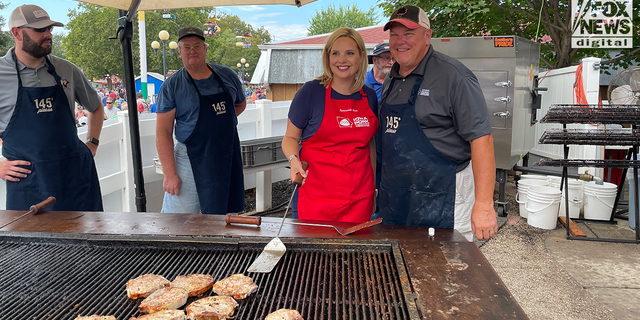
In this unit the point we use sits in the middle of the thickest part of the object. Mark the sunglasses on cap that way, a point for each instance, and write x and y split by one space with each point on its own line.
41 30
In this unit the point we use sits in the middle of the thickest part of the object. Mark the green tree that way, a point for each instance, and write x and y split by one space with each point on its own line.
329 19
88 45
6 39
498 17
58 49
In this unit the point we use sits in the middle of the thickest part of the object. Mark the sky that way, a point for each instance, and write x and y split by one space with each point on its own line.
284 22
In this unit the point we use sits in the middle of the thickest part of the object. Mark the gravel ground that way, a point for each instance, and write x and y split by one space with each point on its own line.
544 290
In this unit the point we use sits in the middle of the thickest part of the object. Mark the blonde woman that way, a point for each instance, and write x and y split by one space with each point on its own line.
334 117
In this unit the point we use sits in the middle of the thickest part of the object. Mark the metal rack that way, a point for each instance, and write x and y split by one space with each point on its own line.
613 114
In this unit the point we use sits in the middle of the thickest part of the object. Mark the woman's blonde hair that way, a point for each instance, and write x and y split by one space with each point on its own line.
327 75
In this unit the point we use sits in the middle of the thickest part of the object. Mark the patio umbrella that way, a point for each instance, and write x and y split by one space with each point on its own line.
127 10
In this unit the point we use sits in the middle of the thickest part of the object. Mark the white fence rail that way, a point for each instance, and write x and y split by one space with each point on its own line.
115 168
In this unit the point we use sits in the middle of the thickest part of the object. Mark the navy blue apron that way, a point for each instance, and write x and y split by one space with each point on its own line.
417 183
214 152
42 131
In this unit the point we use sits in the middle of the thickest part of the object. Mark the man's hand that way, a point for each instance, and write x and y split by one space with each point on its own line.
10 170
484 223
92 147
171 184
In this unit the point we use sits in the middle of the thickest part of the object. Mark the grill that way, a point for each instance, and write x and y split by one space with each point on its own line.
55 277
589 113
588 163
620 137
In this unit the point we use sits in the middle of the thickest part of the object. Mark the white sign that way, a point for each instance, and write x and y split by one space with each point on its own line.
602 24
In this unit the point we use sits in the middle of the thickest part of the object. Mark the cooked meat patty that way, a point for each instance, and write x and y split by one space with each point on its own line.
164 315
212 308
94 317
284 314
238 286
164 299
195 284
143 286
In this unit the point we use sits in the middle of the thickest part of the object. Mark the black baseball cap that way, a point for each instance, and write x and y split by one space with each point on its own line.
411 17
190 31
378 49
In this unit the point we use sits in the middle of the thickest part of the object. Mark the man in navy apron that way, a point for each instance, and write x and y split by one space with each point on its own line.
44 156
438 167
203 168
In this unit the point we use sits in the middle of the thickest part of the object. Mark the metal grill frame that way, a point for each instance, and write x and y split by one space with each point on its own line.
592 113
331 304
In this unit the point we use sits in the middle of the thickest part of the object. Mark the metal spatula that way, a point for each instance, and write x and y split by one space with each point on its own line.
275 249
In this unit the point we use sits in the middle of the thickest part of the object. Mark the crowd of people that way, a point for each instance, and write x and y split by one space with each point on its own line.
413 133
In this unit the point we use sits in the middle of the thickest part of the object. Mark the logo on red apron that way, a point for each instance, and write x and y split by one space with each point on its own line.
344 122
361 122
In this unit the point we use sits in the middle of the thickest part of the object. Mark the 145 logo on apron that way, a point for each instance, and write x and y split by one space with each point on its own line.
392 124
44 105
220 107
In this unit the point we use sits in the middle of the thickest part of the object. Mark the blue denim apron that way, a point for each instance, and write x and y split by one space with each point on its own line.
42 131
214 152
417 183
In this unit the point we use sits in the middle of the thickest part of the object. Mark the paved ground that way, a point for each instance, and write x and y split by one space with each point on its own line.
555 278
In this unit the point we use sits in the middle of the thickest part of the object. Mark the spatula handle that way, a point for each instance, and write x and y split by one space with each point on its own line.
244 220
298 180
37 208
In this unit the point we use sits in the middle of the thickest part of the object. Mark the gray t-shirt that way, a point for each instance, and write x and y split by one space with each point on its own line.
450 106
75 84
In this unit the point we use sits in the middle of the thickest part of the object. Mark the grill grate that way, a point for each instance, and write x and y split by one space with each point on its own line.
52 278
620 137
589 113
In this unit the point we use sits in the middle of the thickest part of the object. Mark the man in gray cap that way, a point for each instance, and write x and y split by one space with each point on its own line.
438 167
203 168
382 62
38 92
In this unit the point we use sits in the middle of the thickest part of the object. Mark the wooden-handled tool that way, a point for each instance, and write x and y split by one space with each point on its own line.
275 249
35 209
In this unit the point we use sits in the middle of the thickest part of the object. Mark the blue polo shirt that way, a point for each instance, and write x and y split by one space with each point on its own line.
373 83
179 93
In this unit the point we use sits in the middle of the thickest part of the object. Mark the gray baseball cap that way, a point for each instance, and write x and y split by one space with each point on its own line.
32 16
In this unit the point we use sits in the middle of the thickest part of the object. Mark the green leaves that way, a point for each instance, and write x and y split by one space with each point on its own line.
329 19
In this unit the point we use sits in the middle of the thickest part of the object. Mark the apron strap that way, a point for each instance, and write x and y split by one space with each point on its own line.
215 74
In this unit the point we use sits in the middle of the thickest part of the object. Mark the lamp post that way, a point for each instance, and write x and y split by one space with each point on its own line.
164 36
242 67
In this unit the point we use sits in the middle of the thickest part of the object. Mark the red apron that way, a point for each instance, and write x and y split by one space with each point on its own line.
340 183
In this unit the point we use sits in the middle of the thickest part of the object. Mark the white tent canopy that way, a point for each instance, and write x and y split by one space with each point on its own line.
147 5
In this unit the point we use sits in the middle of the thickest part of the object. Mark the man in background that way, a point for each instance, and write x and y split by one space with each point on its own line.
382 62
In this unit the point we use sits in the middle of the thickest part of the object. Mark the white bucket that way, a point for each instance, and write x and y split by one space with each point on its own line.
532 177
521 195
575 198
599 200
542 206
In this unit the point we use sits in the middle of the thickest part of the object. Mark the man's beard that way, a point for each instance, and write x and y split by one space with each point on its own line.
33 48
383 69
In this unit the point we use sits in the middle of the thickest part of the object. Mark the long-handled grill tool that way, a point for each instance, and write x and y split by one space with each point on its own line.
343 231
35 209
275 249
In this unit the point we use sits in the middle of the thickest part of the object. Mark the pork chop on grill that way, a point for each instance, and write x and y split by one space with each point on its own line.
238 286
284 314
212 308
94 317
143 286
195 284
164 299
164 315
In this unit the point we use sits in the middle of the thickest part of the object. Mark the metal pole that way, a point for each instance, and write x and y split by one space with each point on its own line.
125 40
164 60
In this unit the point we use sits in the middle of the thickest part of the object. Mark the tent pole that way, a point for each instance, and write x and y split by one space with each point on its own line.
125 28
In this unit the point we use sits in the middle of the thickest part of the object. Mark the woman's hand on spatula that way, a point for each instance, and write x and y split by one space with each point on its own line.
296 167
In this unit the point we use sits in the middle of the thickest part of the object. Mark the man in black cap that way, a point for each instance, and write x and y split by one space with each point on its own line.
203 168
382 62
438 167
38 93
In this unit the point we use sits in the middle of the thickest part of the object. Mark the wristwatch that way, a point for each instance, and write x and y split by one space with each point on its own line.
94 141
292 156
